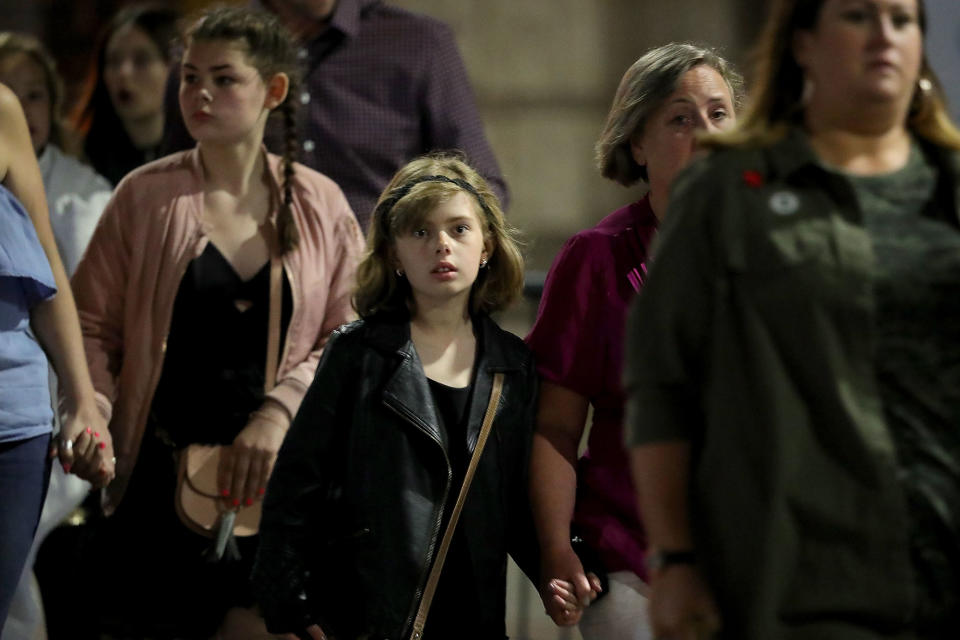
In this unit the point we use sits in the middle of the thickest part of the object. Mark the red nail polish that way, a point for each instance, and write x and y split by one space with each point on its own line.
225 493
89 430
103 445
261 491
66 468
236 502
96 434
248 501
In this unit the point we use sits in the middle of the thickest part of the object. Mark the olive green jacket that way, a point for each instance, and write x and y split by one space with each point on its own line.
753 339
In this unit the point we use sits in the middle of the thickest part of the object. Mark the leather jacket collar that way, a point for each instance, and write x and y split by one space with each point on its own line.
407 391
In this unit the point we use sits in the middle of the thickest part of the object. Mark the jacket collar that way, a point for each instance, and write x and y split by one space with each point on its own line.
407 391
791 158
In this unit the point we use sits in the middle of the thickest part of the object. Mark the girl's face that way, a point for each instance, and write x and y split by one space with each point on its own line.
441 257
135 74
26 78
223 99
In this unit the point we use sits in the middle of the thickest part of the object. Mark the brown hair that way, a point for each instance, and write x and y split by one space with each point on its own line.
777 88
414 191
269 48
107 140
12 43
644 87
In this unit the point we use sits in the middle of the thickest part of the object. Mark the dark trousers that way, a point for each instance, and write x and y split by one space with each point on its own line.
24 474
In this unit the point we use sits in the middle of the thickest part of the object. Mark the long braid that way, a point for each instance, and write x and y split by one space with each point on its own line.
286 227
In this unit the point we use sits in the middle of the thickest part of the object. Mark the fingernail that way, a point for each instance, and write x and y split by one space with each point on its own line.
261 491
103 445
103 471
236 502
225 493
96 434
89 430
248 501
66 468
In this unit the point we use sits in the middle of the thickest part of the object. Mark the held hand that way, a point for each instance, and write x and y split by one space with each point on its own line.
245 466
85 446
565 588
681 604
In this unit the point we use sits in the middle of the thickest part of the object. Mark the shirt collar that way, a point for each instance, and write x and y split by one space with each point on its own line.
791 153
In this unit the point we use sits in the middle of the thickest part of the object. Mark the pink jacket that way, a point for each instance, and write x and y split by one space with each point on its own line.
126 283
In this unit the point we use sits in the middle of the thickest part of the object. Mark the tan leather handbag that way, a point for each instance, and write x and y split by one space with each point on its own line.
198 502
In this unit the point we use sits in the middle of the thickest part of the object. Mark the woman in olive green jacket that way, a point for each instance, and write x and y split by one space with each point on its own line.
794 360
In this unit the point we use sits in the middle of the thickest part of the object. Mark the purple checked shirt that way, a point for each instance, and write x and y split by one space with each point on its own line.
578 344
381 86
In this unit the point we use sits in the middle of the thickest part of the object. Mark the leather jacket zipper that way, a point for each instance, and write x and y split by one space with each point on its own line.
415 604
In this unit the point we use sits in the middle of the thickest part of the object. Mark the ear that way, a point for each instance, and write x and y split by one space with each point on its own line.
277 89
489 248
636 150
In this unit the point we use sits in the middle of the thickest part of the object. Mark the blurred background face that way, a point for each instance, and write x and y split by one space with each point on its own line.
701 102
862 50
26 78
135 74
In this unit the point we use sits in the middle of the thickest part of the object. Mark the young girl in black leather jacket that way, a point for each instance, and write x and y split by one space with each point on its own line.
372 467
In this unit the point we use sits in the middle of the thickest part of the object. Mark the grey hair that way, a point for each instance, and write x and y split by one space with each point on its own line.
646 84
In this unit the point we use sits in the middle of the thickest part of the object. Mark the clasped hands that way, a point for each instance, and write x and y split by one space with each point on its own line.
565 588
85 447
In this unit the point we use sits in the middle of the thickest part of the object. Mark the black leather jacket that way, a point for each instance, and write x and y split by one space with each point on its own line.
352 514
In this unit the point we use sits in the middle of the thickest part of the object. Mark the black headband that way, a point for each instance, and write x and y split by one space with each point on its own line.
400 192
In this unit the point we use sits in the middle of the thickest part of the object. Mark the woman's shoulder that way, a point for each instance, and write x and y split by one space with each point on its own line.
70 175
177 172
309 183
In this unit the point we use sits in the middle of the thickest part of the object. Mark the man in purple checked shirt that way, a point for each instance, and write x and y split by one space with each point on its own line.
381 86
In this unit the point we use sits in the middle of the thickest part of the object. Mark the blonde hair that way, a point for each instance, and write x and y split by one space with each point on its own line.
12 43
776 96
644 87
414 191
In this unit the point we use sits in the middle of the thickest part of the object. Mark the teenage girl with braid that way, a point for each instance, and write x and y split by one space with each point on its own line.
174 296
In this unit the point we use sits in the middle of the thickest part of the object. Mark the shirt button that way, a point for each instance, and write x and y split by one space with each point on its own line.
309 146
302 54
304 97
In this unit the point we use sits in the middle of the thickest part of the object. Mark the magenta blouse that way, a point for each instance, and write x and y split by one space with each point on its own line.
578 342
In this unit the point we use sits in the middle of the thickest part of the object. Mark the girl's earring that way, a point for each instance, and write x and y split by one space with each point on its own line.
399 273
483 262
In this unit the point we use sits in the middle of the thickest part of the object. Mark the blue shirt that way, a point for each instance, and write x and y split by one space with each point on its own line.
25 280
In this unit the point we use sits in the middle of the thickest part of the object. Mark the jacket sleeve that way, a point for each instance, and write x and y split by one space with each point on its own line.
294 500
342 268
668 324
522 535
100 286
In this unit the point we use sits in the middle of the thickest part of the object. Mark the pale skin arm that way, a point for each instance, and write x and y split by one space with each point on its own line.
246 465
55 321
681 604
561 419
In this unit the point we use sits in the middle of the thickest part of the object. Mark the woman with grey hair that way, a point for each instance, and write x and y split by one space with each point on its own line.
665 99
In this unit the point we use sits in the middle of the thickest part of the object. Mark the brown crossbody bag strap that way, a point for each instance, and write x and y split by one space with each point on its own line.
276 298
420 621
